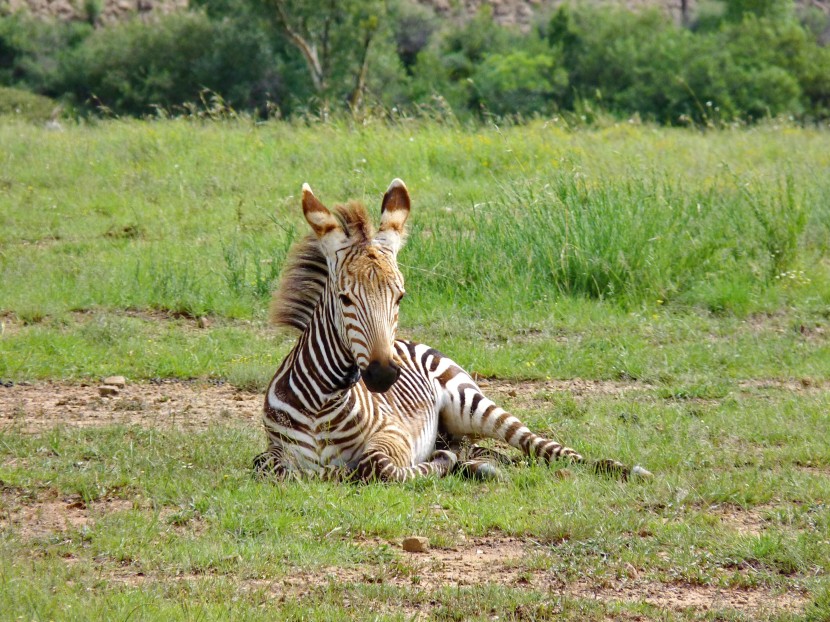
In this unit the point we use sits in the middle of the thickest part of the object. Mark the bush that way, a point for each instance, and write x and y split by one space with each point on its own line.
132 68
519 83
30 50
752 60
25 105
643 63
485 65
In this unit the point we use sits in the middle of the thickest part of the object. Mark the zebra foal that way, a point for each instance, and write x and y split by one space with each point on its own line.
352 400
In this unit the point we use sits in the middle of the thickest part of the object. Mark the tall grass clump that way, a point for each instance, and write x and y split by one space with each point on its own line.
642 238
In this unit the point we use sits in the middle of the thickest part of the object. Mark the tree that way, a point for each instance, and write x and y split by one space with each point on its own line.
334 39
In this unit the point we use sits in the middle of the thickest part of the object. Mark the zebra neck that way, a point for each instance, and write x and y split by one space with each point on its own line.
321 369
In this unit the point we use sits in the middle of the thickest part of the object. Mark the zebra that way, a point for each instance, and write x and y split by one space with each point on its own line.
352 401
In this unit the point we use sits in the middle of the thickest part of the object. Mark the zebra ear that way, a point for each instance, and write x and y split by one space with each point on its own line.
394 212
322 221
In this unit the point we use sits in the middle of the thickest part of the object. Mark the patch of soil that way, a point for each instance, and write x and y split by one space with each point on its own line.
38 407
489 561
817 470
499 561
35 407
51 515
698 598
744 521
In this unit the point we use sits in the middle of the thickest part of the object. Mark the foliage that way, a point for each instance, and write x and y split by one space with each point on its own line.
518 83
641 63
26 105
737 10
754 59
132 69
31 49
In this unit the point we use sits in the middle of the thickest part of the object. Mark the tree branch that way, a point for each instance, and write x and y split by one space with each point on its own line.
308 50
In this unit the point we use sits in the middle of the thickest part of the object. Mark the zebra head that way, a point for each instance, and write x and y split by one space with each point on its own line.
365 287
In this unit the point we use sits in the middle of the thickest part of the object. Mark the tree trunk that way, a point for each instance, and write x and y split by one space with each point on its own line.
308 50
356 99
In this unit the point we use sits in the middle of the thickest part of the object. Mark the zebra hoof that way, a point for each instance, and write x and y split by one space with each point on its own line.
486 471
479 470
444 455
638 472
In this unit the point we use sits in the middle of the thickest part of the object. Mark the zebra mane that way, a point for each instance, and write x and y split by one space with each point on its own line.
306 272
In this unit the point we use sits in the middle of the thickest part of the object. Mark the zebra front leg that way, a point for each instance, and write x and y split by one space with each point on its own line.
470 412
384 457
271 463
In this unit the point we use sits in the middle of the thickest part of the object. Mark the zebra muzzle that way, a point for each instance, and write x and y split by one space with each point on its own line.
378 377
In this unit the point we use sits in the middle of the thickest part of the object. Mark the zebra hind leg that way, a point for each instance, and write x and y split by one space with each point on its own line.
472 413
483 463
475 461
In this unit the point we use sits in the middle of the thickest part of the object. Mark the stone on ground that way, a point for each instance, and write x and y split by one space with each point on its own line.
416 544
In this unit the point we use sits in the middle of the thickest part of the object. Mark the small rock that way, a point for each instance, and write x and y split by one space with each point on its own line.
203 322
115 381
416 544
108 390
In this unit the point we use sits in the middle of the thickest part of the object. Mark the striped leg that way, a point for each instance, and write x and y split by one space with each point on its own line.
469 412
474 461
270 463
376 465
385 454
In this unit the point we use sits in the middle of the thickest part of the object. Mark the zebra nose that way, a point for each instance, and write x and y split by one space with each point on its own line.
378 377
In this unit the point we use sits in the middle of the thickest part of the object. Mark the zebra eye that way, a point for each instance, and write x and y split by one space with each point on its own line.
344 299
401 297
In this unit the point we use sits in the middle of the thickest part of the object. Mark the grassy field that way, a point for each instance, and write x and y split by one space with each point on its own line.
657 295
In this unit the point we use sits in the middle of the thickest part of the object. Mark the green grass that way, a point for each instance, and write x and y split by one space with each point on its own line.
691 268
513 227
196 529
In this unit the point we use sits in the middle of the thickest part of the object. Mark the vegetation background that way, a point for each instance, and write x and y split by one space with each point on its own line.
654 293
710 62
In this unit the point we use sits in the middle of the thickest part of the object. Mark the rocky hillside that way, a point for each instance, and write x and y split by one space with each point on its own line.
519 12
97 11
507 12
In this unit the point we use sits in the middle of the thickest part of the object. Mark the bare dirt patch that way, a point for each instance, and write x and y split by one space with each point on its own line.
48 514
744 521
699 598
38 407
35 407
502 562
191 405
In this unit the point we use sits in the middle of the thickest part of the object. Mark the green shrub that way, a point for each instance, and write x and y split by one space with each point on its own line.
643 63
518 82
31 49
749 61
132 67
775 64
25 105
447 67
